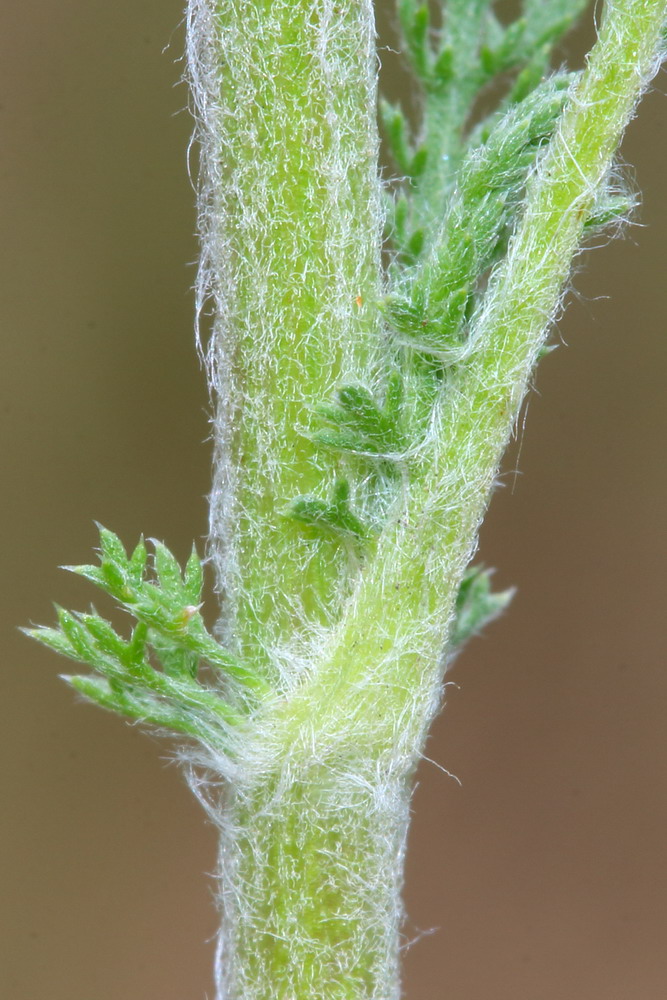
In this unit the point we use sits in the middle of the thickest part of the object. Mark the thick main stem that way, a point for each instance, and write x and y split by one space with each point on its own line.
293 240
311 869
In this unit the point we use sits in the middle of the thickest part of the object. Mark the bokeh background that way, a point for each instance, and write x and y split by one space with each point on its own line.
544 876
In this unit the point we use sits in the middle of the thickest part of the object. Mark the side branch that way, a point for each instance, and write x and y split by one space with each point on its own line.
388 649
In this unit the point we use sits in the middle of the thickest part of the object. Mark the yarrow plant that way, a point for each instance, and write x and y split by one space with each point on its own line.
372 341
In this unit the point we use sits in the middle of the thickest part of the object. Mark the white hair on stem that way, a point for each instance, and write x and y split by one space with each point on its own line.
290 222
313 823
360 422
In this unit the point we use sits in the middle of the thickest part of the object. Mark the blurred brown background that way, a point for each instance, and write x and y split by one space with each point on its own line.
544 876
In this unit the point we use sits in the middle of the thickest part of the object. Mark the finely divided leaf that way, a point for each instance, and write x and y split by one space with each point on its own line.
153 676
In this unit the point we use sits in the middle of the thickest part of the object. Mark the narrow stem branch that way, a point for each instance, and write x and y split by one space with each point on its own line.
389 645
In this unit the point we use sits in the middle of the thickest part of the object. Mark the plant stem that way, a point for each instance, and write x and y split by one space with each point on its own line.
350 544
313 835
296 225
311 865
391 637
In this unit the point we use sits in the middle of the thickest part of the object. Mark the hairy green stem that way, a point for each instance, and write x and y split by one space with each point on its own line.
407 595
299 211
311 885
344 576
363 713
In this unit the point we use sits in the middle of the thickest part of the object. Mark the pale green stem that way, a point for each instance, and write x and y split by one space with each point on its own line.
392 635
300 207
311 876
314 831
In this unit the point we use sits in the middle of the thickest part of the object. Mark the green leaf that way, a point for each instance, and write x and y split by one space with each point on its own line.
139 707
443 68
546 350
433 300
414 20
418 162
510 50
136 648
362 426
335 517
396 128
169 633
168 572
415 245
77 635
106 638
53 638
548 22
115 580
92 573
488 60
476 605
530 76
193 578
408 241
176 661
112 548
137 563
611 208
